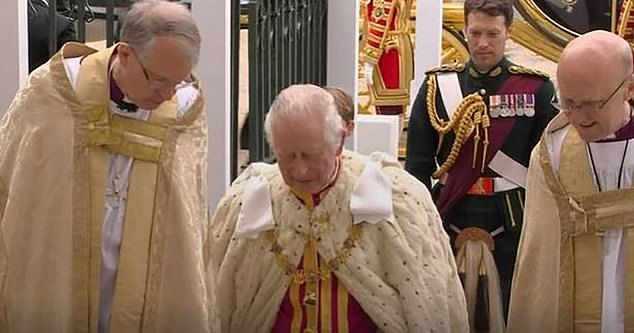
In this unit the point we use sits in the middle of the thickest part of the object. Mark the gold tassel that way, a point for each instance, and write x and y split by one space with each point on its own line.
460 123
477 119
462 269
483 269
486 123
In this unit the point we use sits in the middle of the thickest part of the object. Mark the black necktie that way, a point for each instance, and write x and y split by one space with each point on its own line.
127 107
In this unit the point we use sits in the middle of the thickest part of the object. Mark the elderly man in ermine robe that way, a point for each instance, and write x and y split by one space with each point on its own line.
575 267
326 241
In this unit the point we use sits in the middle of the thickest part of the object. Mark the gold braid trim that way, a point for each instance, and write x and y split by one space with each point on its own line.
469 114
445 68
529 71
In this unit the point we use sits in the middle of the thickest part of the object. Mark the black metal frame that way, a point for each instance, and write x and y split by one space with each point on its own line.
236 11
81 12
287 45
52 27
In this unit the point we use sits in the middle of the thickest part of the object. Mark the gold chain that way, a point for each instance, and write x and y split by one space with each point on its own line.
300 276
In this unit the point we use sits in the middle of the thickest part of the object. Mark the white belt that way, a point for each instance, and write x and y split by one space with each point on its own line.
493 233
501 184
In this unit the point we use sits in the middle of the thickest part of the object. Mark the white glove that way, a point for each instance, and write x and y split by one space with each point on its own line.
369 71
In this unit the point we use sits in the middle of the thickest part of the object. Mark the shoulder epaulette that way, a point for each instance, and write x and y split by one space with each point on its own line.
528 71
446 68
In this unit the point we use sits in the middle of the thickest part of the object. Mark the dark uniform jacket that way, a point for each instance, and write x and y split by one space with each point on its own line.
519 106
39 30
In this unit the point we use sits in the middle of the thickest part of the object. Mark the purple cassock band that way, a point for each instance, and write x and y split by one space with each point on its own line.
625 133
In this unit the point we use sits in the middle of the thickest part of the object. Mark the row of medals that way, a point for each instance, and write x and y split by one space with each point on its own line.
512 105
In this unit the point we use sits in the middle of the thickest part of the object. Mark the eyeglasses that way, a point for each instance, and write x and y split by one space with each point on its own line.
159 81
590 106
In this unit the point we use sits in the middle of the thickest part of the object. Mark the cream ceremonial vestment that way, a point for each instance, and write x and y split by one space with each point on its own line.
575 267
376 230
57 143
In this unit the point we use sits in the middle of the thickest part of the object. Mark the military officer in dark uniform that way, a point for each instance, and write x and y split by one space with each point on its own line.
472 128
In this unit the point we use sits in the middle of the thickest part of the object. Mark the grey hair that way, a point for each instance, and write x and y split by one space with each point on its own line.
303 101
148 19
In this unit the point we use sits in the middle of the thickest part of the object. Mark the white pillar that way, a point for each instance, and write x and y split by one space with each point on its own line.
15 57
428 45
213 19
343 49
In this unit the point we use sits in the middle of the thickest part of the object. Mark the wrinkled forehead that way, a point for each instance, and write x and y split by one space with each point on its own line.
296 117
168 49
306 146
298 132
167 59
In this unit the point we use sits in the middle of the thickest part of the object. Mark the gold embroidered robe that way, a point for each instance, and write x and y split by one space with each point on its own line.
55 142
557 285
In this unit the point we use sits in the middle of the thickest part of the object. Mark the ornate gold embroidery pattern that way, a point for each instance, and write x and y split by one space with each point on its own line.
379 10
301 276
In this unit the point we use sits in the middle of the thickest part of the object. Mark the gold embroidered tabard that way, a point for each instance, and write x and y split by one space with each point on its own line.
585 215
108 133
112 133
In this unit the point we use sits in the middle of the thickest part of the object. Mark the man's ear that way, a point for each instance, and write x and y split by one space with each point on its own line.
350 128
630 88
509 30
124 53
343 140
